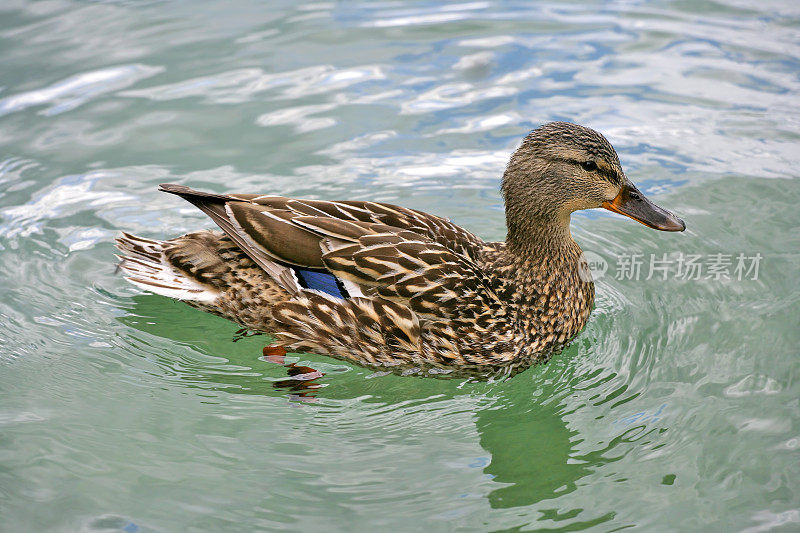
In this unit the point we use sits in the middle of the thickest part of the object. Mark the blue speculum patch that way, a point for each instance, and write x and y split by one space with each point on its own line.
320 280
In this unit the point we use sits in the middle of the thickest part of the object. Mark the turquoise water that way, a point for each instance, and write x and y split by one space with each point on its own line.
676 409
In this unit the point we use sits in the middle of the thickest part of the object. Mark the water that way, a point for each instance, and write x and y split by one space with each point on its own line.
677 407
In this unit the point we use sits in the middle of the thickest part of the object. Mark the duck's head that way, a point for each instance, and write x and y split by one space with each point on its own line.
561 168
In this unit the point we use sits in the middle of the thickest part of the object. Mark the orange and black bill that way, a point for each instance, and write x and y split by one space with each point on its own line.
632 203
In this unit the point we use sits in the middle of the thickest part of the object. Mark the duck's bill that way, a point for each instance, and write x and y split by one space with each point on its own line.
632 203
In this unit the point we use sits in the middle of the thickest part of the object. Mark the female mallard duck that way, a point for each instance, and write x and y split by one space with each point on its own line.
387 286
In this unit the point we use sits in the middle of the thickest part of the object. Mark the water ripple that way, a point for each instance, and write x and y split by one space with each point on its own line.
241 85
75 91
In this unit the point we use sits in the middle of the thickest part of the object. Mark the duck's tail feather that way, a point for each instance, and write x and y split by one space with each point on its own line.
145 264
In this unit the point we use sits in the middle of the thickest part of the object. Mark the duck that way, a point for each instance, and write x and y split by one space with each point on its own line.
393 288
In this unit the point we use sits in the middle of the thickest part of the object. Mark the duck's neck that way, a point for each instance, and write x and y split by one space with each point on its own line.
537 237
546 261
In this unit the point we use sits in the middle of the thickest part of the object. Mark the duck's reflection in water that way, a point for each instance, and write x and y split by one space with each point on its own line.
530 455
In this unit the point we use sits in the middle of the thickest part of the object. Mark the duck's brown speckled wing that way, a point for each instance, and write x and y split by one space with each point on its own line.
400 254
230 210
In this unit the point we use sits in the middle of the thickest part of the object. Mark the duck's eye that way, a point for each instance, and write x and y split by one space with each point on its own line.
589 166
